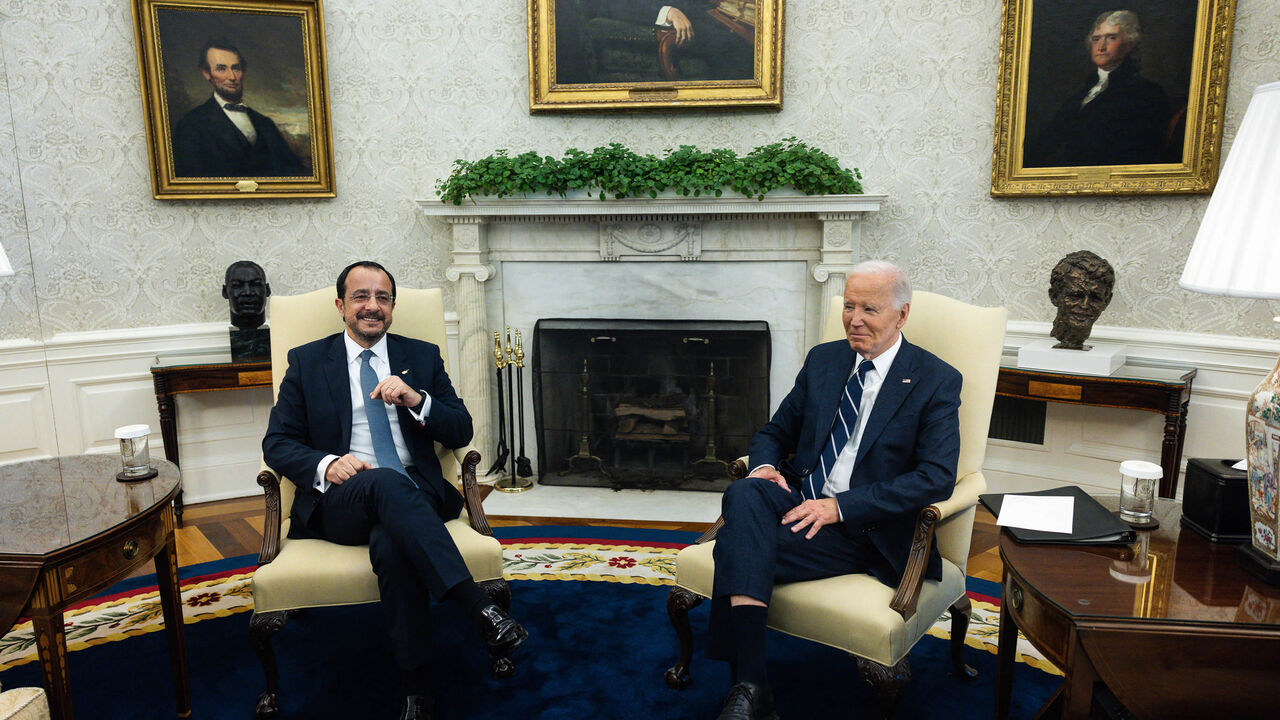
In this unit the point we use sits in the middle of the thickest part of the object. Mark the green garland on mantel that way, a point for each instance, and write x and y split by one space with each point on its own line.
614 171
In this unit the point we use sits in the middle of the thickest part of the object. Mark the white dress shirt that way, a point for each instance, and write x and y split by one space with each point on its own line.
361 439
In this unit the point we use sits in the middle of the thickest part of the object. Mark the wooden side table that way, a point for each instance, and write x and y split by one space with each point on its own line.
1160 389
197 372
1171 625
71 529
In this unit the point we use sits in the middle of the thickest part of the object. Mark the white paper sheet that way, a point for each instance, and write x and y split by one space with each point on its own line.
1037 512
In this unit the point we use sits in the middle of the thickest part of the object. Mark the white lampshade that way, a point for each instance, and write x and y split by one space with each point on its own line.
1237 251
5 268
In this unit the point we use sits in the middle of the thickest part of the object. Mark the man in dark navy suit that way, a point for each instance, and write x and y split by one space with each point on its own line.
353 428
223 137
869 435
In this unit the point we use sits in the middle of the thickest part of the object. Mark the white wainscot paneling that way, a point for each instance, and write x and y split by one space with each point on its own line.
220 437
26 410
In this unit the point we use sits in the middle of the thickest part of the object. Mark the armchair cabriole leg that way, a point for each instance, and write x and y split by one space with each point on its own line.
887 683
961 614
679 603
499 591
261 627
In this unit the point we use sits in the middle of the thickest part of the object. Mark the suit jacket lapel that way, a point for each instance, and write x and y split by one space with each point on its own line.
829 393
338 378
897 385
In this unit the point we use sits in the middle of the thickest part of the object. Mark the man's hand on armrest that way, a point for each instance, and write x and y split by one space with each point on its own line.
344 467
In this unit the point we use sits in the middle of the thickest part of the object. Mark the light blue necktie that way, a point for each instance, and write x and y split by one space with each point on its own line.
384 447
841 429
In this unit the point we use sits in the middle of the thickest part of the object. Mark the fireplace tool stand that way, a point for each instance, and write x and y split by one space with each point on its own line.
584 461
512 483
710 467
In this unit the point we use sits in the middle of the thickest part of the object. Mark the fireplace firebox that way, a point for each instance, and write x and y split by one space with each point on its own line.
663 404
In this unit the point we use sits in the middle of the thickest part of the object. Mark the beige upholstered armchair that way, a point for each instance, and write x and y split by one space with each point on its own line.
879 625
297 574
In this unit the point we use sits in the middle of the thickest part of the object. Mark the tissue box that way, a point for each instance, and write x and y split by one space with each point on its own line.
1215 500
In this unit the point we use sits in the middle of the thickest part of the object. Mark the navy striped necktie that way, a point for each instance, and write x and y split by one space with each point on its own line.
841 429
384 446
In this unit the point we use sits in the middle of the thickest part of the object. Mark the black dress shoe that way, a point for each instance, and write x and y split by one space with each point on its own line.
501 633
416 707
748 701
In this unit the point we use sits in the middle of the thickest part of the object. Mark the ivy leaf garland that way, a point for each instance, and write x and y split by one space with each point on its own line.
615 171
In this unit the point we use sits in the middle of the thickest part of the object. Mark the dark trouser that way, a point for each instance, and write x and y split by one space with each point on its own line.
412 553
754 551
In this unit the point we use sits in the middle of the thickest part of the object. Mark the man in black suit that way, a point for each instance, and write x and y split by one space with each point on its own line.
1118 117
869 435
353 428
223 137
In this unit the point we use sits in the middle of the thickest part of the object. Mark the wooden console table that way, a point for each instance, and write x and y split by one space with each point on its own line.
1161 389
197 372
1171 625
71 529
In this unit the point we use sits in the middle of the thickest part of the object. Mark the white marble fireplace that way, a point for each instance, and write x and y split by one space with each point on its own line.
516 261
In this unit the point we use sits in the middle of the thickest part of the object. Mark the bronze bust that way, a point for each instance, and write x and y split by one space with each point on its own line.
246 290
1080 286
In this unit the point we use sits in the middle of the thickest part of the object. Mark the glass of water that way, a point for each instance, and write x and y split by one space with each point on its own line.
1138 480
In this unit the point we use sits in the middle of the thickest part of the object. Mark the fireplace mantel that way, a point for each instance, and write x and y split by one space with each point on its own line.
822 231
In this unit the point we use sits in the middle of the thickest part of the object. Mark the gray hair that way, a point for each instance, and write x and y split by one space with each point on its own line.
1123 19
901 288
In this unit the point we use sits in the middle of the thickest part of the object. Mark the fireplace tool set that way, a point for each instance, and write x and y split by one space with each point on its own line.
519 469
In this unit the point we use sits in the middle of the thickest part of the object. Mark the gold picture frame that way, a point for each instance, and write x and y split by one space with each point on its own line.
264 63
602 55
1048 142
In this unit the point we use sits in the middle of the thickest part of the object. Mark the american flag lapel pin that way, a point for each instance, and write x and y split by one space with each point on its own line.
906 380
404 372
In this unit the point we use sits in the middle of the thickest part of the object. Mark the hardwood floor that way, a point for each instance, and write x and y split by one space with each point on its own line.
231 528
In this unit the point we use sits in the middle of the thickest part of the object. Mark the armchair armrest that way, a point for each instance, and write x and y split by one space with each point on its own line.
963 497
737 471
270 483
468 459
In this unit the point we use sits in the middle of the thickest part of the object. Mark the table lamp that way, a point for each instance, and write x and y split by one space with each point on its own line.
5 268
1237 253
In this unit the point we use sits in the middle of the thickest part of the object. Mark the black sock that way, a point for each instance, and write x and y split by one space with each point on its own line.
468 596
418 681
748 641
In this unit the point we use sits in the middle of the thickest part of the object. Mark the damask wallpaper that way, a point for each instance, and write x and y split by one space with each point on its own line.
904 90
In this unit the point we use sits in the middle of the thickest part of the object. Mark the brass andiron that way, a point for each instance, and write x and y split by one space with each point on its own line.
524 468
711 467
584 456
502 451
511 483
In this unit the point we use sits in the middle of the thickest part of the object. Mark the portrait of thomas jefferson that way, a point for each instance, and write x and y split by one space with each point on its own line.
1109 87
236 94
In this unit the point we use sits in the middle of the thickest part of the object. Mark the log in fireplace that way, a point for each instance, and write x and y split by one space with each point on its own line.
647 403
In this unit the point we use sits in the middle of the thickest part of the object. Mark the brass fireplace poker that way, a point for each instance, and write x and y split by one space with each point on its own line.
502 451
511 483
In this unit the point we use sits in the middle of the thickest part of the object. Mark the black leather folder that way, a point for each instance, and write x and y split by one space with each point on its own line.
1091 524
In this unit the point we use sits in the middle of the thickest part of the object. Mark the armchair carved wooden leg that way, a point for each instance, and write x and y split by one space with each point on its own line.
961 613
499 591
887 682
679 603
261 627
